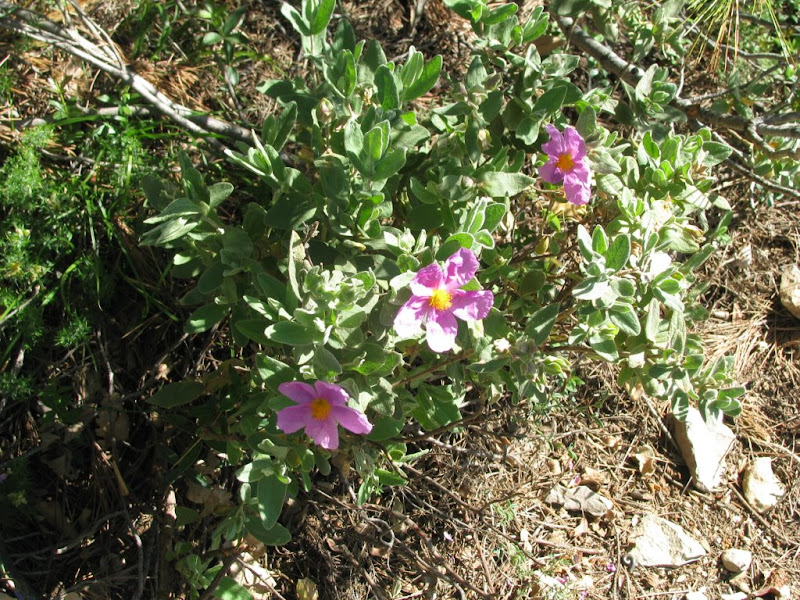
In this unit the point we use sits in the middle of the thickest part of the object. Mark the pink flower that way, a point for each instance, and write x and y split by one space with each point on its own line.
319 410
436 300
567 164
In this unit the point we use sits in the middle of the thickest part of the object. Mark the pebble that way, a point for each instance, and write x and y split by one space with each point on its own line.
736 560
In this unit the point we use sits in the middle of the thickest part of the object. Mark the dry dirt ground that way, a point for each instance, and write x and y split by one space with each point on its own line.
473 522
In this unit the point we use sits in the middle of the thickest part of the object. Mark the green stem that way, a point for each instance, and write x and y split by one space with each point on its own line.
434 368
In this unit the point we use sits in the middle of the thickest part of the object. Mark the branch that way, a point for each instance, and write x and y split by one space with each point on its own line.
631 74
107 58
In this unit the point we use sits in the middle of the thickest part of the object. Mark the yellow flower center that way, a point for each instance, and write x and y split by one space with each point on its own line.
565 162
320 408
441 299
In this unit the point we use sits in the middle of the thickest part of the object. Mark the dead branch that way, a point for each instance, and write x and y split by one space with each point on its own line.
105 56
632 75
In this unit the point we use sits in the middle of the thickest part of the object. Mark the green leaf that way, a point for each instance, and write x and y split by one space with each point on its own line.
585 243
177 394
653 321
390 164
218 192
229 589
211 38
389 477
154 191
499 184
373 58
322 16
385 428
550 102
271 493
256 470
291 333
599 240
591 288
325 364
168 232
493 216
277 535
624 317
605 348
619 253
541 323
453 244
716 153
296 19
587 122
205 317
185 516
253 329
273 372
499 14
426 80
181 207
387 95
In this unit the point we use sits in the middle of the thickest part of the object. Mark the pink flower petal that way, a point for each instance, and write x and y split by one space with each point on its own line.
351 419
441 329
294 418
556 145
576 191
300 392
574 142
332 393
460 268
426 280
550 172
324 433
408 320
472 305
581 170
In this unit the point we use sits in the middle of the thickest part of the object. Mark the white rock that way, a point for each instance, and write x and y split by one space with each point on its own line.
736 560
790 289
662 543
698 595
704 445
734 596
761 488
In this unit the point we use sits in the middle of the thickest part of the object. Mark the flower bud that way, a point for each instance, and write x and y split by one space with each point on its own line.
324 111
484 139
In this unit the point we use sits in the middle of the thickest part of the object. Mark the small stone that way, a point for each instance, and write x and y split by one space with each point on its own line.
762 489
736 560
704 445
790 289
698 595
734 596
662 543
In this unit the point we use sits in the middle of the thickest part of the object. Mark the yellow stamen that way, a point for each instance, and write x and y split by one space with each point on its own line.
565 162
320 408
441 299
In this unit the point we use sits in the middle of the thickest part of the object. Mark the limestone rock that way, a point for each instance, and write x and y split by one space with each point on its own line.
736 560
704 445
761 488
662 543
790 289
